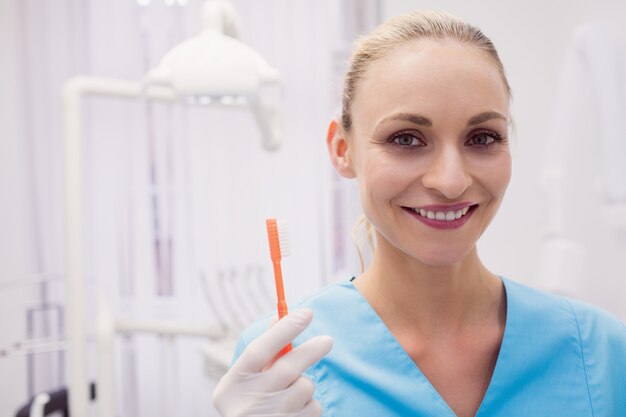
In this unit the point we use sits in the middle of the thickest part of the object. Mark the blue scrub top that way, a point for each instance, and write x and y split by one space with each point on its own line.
559 358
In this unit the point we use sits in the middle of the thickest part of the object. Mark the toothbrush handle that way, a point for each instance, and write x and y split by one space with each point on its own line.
282 312
282 304
282 309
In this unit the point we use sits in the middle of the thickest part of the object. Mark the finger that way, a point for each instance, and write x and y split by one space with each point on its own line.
297 395
289 367
263 349
312 409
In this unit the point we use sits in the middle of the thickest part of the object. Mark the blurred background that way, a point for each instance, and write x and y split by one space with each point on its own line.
174 192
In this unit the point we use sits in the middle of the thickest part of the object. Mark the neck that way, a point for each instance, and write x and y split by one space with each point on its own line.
431 299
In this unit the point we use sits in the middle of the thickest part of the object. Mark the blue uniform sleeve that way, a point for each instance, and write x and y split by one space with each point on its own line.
603 347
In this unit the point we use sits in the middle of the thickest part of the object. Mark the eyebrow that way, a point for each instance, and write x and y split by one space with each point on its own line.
425 121
483 117
409 117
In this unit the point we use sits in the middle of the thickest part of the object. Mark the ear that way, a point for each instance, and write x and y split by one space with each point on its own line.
339 150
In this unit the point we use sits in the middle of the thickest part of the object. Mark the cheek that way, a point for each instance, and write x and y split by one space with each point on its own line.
381 179
503 177
495 174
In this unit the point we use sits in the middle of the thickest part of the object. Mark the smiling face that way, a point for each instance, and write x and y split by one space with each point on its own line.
428 146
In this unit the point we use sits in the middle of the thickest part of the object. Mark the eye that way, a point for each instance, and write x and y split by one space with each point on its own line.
484 138
406 139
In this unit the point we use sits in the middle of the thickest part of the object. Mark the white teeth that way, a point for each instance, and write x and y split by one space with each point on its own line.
447 216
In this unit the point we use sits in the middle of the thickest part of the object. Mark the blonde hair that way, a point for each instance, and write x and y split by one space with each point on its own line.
410 27
396 31
362 225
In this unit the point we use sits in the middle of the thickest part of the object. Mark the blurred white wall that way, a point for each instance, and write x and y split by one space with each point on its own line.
16 237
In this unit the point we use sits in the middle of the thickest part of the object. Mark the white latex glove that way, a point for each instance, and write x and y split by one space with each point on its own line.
257 386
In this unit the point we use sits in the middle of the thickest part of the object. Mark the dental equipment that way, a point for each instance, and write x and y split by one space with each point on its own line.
215 353
37 407
212 68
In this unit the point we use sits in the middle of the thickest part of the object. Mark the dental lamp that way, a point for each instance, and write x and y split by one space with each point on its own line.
213 68
216 67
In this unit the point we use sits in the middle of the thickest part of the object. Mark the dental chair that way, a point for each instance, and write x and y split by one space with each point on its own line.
47 403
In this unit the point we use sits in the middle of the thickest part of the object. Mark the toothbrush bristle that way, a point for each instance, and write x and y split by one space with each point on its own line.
283 238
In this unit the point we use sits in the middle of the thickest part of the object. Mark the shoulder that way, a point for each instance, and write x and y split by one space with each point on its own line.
588 318
531 301
597 338
603 350
591 321
598 328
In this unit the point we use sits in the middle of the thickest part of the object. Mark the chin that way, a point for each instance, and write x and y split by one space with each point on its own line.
442 256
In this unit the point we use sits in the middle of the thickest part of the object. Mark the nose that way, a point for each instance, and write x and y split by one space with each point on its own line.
447 173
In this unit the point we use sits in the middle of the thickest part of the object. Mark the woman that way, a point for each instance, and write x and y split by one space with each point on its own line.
427 329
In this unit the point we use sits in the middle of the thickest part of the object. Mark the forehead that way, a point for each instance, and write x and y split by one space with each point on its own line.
442 79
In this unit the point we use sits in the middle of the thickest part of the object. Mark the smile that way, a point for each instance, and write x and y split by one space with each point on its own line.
442 215
444 219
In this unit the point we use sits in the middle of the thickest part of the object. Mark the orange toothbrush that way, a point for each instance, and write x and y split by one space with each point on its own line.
277 237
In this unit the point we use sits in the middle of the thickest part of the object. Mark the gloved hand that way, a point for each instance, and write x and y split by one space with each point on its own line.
257 386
